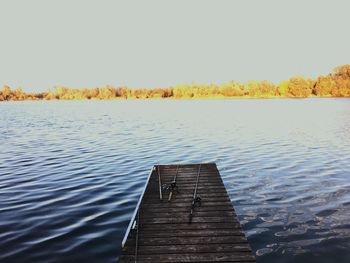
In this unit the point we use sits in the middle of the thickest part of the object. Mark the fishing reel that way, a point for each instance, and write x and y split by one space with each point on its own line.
170 187
174 187
197 202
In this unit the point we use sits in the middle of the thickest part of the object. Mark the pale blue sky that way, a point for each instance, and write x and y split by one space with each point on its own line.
85 43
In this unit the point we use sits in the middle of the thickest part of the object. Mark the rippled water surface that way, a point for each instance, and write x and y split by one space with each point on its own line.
71 172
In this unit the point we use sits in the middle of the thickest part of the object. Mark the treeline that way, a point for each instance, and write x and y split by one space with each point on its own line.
336 84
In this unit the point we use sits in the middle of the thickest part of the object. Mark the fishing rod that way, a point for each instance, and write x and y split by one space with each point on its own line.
196 201
137 235
160 185
173 185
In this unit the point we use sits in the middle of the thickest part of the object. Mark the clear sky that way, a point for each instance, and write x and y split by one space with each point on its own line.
84 43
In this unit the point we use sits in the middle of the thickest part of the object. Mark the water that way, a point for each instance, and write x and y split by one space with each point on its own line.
71 172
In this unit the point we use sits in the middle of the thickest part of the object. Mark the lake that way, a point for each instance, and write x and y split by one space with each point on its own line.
71 172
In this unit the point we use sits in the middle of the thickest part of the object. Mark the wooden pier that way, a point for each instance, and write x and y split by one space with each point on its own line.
162 231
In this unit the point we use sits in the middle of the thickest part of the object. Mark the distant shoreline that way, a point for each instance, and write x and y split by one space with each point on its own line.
183 99
174 98
334 85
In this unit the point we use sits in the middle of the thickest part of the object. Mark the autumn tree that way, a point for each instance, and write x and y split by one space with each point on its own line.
324 86
299 87
336 84
342 72
6 92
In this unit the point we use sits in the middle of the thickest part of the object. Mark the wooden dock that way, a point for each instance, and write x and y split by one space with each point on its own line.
160 230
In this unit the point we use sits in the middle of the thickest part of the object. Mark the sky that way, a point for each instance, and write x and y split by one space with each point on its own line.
84 43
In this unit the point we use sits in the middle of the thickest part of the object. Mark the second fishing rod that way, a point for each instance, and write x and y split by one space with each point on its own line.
196 200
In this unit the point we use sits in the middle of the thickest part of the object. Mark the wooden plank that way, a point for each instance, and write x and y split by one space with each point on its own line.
192 180
167 205
197 248
186 195
186 200
179 220
157 210
199 257
189 233
191 184
184 214
159 241
228 227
